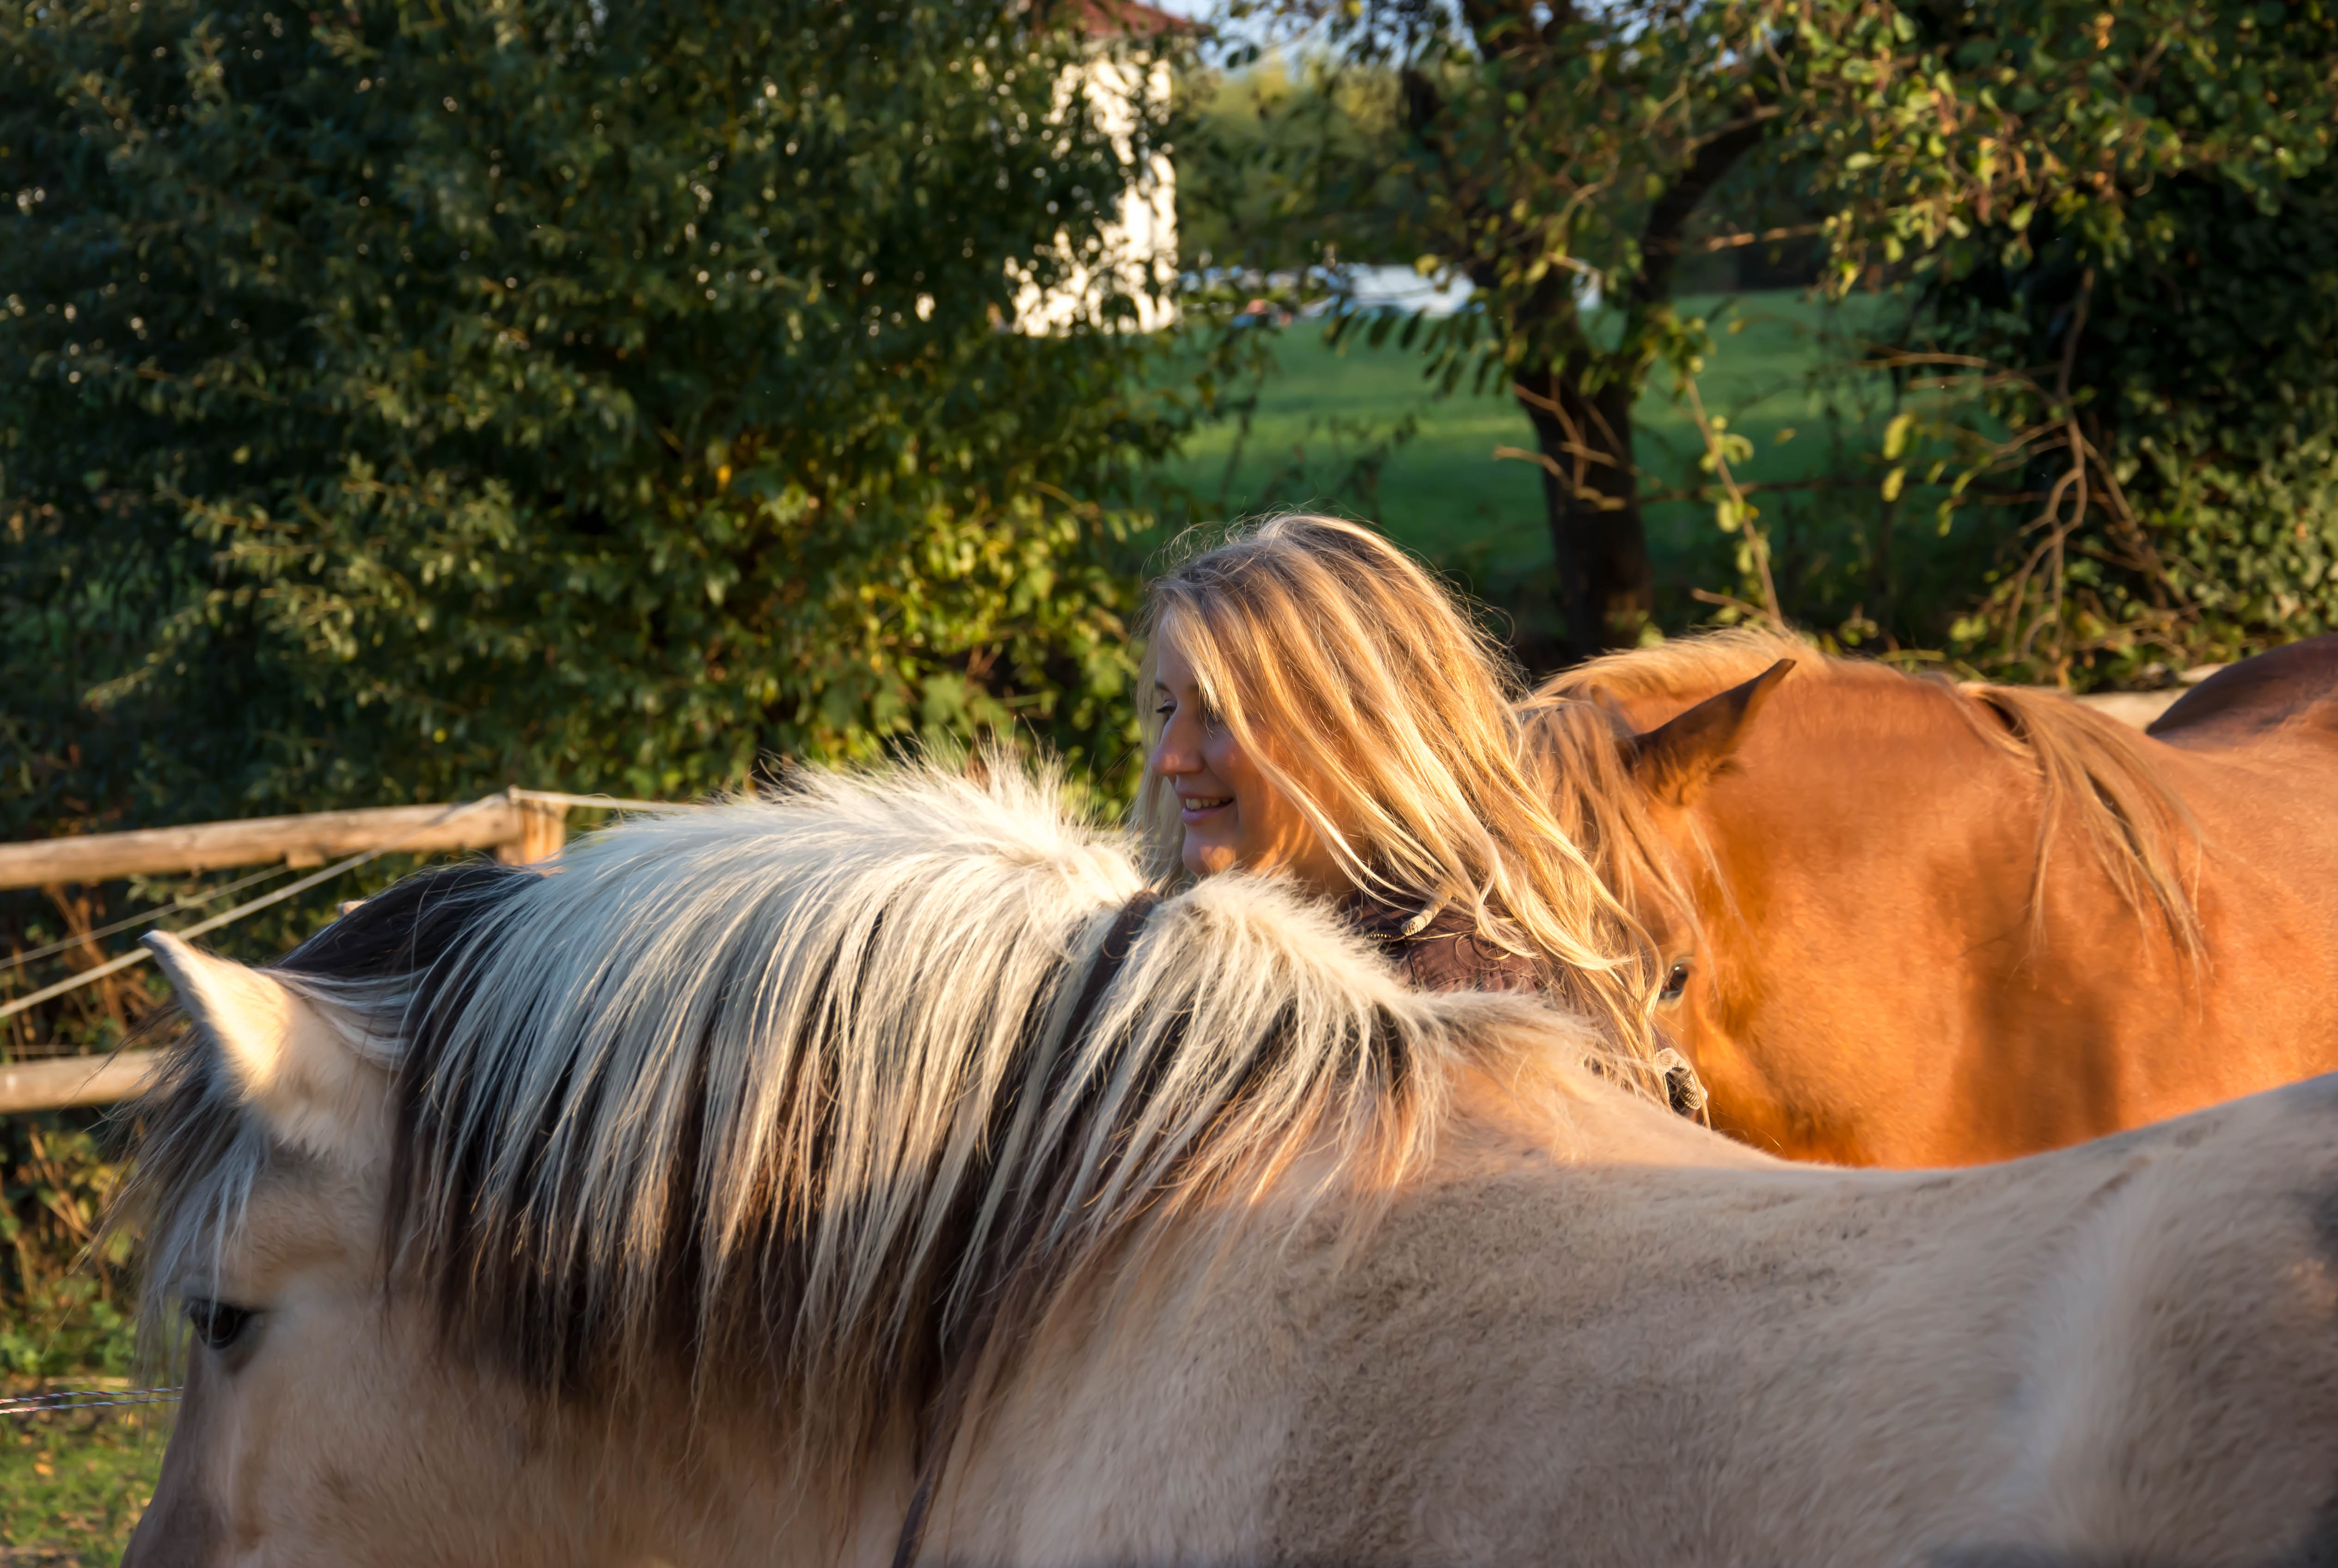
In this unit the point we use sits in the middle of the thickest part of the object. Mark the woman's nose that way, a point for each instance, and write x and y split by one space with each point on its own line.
1171 757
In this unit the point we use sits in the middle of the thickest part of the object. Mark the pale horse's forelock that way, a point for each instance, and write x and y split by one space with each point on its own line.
784 1087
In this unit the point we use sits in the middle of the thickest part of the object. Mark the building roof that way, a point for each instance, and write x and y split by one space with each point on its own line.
1128 18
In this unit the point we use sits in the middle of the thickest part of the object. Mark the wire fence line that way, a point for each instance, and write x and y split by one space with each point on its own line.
55 1400
111 1075
227 917
192 901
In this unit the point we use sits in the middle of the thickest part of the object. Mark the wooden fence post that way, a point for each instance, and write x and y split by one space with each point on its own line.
543 830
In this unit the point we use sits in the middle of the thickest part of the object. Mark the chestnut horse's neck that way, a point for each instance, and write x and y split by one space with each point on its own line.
2077 778
1909 922
2003 882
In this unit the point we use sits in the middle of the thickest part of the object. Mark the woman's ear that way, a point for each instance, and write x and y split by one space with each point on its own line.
287 1058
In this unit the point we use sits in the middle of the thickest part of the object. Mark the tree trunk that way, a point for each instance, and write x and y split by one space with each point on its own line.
1591 495
1590 485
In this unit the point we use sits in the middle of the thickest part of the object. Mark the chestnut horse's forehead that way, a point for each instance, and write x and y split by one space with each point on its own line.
1860 815
1821 699
1842 748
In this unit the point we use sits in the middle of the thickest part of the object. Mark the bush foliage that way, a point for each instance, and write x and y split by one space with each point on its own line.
558 392
2120 225
2201 412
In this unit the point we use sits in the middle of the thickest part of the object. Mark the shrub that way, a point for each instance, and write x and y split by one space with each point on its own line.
2203 382
2122 222
554 391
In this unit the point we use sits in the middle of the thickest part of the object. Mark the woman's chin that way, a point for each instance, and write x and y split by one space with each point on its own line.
1203 858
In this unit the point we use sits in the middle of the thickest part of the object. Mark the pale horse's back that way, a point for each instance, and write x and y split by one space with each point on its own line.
2124 1352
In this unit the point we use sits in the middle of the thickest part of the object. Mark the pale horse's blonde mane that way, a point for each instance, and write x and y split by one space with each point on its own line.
778 1094
2095 775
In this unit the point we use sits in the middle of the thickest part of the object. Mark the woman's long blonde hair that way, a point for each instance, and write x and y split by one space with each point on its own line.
1364 693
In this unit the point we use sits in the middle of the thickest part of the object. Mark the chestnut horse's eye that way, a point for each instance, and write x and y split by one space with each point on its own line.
218 1324
1675 982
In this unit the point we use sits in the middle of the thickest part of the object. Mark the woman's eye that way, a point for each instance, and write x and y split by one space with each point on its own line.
218 1324
1675 982
1166 709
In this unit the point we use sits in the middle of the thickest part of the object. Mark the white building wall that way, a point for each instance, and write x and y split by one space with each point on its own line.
1139 246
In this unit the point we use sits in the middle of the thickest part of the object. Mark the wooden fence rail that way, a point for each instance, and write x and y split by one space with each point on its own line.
65 1081
532 826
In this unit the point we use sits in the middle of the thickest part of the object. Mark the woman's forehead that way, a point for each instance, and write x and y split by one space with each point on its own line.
1172 666
1186 655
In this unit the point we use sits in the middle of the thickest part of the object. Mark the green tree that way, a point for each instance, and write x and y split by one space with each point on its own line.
1556 155
538 391
2111 223
2124 225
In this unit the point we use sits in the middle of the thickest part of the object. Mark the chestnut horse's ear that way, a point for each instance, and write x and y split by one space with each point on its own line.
1676 760
289 1061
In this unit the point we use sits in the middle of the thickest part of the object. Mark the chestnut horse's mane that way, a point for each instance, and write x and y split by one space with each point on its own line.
804 1093
2096 775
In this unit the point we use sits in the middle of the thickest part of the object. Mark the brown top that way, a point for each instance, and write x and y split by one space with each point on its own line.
1446 955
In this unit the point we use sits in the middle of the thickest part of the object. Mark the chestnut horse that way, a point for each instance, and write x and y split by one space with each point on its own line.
1907 922
881 1174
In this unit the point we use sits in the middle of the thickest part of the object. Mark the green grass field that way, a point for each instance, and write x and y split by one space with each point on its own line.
1321 432
72 1482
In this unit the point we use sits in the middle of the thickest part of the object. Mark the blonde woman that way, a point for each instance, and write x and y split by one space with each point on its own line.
1321 709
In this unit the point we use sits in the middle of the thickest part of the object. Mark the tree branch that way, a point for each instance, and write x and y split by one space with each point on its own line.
1660 239
1738 241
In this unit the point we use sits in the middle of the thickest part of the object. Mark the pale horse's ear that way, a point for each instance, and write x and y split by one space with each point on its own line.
1675 761
292 1061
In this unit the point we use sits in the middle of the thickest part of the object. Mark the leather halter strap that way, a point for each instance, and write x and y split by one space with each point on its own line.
1111 958
1683 1090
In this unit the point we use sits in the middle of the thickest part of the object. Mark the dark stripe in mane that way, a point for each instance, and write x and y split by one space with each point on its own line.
963 1358
410 927
557 1333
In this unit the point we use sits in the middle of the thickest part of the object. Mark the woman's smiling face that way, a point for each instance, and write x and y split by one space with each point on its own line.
1234 815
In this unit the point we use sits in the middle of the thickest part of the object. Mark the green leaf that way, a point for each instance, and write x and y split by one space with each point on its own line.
1895 436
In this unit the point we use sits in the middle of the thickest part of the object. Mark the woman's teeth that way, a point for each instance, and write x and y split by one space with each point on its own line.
1205 802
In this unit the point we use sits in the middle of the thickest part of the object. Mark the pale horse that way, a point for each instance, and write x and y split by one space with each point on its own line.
878 1174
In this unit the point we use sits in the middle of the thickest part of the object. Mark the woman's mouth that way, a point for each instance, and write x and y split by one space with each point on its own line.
1193 808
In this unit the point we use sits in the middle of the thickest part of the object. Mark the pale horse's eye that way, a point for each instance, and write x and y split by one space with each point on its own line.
218 1324
1675 982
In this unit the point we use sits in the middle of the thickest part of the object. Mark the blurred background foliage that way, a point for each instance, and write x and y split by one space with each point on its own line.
611 400
2038 224
399 401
